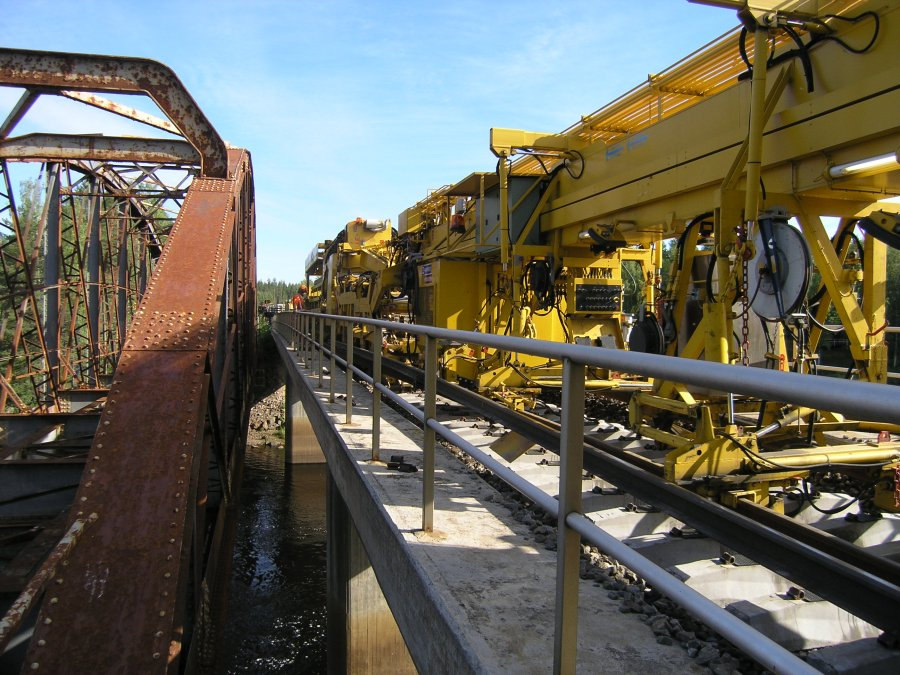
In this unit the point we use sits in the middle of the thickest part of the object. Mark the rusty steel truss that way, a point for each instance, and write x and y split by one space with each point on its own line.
127 333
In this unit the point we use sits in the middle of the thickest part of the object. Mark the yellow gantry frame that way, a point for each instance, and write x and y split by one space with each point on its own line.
792 139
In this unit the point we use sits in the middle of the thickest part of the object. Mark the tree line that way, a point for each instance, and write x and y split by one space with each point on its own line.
275 291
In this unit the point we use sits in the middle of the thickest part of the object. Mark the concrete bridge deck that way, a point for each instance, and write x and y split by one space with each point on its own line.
476 594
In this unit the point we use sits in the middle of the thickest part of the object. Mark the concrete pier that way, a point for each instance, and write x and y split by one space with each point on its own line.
363 636
300 443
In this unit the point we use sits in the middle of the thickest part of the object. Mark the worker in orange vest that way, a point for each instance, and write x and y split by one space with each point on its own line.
297 301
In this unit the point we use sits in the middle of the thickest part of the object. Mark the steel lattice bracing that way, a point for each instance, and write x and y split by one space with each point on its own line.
127 291
74 275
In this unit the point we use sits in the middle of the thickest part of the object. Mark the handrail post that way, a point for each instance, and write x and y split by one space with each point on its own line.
309 341
304 325
333 364
301 323
376 393
320 322
565 647
428 441
349 332
292 331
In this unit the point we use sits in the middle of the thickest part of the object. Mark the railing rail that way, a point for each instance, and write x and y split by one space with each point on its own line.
858 399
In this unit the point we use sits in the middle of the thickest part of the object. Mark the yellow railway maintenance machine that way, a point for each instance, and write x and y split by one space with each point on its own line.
732 157
788 119
349 267
466 262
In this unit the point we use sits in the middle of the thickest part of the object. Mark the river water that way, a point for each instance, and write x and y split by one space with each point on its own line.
276 620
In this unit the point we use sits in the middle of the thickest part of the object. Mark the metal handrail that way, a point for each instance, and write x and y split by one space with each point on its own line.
572 523
858 400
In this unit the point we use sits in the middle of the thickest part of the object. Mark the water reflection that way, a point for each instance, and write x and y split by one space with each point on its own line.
277 605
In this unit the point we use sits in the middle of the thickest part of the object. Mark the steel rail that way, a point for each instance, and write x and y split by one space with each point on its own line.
764 650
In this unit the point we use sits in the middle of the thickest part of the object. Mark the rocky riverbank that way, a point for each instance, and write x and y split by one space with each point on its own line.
267 421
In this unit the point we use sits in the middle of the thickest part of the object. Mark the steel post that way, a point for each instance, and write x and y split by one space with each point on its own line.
376 393
320 322
348 328
142 271
332 366
292 331
565 646
122 294
304 339
428 442
93 263
310 342
304 345
51 275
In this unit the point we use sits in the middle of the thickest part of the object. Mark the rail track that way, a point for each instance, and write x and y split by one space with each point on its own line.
821 580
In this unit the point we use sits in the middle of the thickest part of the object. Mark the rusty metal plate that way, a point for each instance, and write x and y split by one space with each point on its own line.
194 259
124 574
117 608
214 185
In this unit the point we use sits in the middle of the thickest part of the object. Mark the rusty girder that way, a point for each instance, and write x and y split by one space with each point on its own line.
57 72
127 314
177 410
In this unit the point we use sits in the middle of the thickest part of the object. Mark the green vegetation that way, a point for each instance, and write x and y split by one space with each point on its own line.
274 290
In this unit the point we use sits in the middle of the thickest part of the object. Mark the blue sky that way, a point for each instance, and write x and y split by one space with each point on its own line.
360 108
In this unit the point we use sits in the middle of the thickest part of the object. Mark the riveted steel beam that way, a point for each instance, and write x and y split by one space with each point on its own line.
112 74
105 148
161 530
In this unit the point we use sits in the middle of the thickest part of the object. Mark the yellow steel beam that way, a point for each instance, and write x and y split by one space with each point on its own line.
505 142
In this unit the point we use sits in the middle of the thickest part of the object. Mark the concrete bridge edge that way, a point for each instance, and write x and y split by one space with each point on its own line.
433 637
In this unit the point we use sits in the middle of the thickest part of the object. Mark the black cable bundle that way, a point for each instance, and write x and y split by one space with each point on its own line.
537 280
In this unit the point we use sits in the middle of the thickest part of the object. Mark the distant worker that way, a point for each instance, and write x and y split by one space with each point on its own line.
297 300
